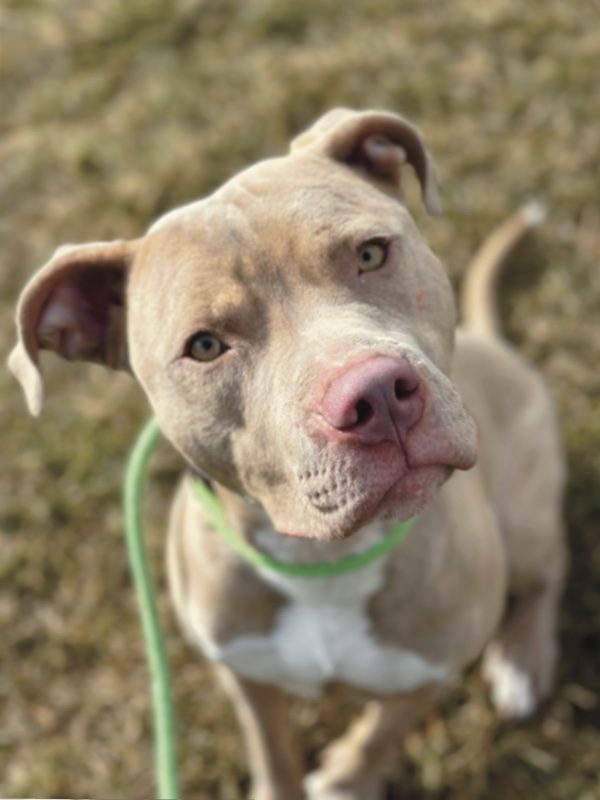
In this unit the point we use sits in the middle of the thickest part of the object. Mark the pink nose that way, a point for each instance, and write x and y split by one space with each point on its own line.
374 401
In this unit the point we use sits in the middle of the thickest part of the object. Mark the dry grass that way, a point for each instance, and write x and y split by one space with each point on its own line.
114 111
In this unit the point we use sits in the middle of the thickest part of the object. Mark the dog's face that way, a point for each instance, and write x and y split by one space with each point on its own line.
293 331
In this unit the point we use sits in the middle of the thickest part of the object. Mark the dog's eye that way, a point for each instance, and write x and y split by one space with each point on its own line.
204 346
371 256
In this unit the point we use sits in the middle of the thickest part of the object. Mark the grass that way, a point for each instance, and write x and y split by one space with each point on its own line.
114 112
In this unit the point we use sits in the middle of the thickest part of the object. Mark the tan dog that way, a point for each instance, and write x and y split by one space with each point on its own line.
295 336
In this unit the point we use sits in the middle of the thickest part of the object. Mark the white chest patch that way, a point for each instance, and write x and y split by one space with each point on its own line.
313 645
323 635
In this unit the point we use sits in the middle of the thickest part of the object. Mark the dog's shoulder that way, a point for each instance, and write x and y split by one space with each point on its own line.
496 381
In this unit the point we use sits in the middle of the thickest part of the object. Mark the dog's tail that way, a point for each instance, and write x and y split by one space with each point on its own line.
478 298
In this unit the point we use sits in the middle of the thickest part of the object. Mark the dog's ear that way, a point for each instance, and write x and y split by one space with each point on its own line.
378 144
74 305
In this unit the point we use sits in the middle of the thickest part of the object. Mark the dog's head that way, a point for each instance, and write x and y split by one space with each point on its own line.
293 331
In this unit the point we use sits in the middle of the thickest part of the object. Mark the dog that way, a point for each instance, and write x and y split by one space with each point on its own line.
297 341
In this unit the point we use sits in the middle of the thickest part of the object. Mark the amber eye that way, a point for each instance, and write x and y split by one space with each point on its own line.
204 346
371 256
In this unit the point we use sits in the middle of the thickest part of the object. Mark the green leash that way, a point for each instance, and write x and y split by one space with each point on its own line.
162 701
324 569
165 758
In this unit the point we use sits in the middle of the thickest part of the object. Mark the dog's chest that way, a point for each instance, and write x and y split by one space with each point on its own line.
322 635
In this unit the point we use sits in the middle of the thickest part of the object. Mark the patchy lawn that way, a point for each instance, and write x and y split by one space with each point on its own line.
115 111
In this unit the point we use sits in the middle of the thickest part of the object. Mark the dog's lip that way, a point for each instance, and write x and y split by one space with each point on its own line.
372 504
296 534
367 511
361 512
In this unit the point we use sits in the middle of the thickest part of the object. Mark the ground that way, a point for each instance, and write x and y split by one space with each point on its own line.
114 112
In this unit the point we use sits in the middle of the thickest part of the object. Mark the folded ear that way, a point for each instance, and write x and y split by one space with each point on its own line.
74 305
378 144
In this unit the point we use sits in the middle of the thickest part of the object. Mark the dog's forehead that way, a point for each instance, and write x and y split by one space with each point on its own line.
276 225
282 200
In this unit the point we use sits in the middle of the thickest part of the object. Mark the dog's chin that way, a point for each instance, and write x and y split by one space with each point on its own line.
405 497
412 494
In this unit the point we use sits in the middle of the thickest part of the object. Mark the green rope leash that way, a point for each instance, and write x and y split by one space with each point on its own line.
162 702
324 569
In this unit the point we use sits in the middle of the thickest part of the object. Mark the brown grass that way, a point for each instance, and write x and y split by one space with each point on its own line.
114 111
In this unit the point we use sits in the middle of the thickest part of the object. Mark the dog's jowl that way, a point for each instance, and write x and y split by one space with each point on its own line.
296 338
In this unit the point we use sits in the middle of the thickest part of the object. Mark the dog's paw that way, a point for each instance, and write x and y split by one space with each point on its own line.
316 788
319 786
512 688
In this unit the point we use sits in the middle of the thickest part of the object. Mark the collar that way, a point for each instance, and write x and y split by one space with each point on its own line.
327 569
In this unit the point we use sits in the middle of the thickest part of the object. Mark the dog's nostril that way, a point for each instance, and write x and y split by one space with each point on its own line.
403 389
364 412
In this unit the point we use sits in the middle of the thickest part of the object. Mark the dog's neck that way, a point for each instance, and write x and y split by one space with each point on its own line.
349 589
253 524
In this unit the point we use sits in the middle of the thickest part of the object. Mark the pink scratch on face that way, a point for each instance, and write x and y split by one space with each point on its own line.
420 303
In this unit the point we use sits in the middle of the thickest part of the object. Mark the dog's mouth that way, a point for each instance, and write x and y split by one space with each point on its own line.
345 470
338 498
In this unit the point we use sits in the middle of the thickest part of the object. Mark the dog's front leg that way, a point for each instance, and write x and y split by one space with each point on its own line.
273 756
354 767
